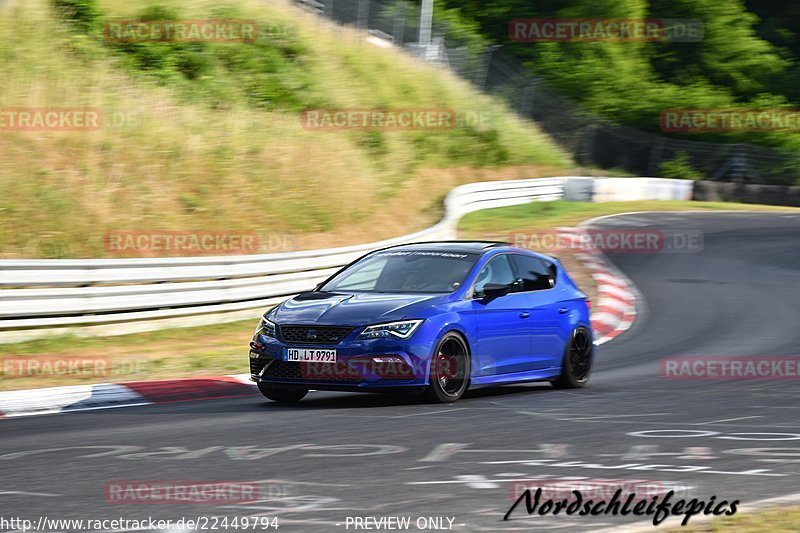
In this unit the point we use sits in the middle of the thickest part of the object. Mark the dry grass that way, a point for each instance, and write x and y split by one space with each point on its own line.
189 163
775 520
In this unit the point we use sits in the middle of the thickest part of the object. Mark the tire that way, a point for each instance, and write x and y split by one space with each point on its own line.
450 370
282 394
577 365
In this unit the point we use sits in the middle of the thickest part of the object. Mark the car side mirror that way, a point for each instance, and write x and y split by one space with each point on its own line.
495 290
543 282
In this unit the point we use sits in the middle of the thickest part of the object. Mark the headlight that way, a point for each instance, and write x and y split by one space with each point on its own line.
400 330
265 327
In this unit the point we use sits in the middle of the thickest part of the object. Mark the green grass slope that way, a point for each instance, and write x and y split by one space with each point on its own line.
208 135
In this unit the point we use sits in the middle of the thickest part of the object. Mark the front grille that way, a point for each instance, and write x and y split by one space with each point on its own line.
313 372
314 334
257 365
283 370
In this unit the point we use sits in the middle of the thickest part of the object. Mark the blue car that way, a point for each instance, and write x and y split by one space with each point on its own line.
436 318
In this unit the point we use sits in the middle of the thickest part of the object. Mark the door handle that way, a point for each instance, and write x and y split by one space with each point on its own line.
524 314
562 310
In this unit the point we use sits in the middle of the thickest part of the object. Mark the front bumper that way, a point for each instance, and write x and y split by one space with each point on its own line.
355 369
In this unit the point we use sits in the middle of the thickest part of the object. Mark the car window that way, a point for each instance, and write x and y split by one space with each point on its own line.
405 271
364 277
498 270
534 273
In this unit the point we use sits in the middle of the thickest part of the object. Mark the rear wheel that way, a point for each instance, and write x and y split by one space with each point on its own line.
577 363
450 369
282 394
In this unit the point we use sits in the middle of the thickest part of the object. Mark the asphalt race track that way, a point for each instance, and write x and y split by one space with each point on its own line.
352 455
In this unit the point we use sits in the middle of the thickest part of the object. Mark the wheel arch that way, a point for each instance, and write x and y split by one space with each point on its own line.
455 329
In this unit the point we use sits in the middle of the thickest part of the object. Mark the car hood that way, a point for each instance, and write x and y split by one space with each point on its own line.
350 309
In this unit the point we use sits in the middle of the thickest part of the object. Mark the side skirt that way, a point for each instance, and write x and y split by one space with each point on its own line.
516 377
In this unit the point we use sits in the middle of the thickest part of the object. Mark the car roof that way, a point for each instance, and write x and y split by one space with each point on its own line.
450 246
478 247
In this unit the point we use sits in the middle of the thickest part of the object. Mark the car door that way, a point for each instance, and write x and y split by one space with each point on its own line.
538 288
503 343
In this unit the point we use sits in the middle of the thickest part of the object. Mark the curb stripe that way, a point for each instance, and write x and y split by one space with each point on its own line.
615 310
177 390
77 398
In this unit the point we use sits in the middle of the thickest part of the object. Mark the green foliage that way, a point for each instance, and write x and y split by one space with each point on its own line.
730 53
83 14
680 167
375 143
747 56
462 34
158 12
273 73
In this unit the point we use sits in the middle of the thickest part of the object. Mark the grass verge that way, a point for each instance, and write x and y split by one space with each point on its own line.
777 520
502 221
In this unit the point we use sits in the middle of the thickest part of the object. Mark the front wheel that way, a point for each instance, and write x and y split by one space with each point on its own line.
282 394
577 363
450 368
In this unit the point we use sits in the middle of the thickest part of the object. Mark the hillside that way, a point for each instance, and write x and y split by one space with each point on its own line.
199 136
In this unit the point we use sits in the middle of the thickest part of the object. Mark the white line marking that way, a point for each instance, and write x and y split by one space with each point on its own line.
620 305
597 417
609 319
472 480
613 292
726 420
442 452
24 493
431 412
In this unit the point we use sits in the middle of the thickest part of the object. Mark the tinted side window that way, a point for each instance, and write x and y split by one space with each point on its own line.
498 270
536 275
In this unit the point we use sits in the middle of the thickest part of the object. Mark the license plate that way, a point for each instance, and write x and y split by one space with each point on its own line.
305 355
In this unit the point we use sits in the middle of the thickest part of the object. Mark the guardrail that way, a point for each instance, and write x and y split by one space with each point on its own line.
627 189
37 295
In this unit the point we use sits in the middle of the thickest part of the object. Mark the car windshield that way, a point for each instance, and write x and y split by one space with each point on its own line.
405 271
